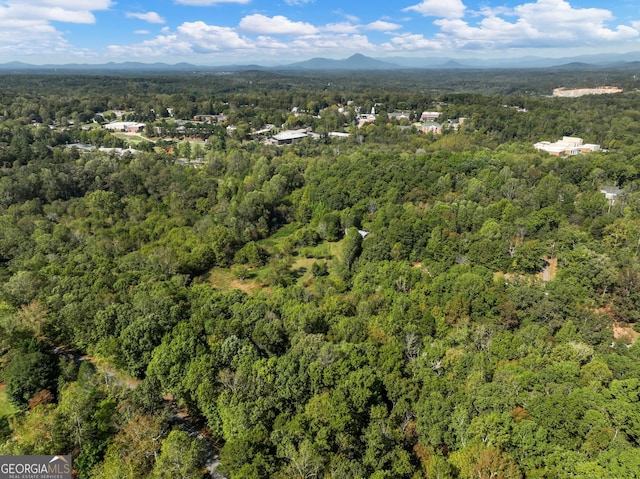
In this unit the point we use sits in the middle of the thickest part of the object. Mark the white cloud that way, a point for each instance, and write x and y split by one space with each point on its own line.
487 11
193 39
205 37
47 14
347 16
41 38
382 26
270 43
277 25
151 17
320 44
351 28
27 27
412 42
549 17
159 47
439 8
11 34
207 3
339 45
342 27
542 24
72 4
49 10
294 3
542 12
189 38
492 33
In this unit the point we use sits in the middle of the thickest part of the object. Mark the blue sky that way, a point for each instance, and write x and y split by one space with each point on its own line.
218 32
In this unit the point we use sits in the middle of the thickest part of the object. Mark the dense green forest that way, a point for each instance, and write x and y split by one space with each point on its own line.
390 305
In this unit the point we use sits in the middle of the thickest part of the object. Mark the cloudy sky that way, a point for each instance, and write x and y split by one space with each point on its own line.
215 32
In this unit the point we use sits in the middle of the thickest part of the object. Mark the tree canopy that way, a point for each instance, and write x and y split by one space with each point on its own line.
392 304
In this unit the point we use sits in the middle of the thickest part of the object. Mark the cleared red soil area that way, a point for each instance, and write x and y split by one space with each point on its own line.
625 331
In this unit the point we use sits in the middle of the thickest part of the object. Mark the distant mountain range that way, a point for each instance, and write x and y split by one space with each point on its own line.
357 62
584 61
354 62
118 67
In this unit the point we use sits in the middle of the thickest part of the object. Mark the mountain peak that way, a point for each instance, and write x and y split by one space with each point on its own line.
357 61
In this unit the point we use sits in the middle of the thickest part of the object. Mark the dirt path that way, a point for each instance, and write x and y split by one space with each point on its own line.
550 270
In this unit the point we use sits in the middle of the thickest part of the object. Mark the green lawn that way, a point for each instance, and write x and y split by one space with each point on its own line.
277 239
227 279
323 251
302 267
285 231
224 279
6 408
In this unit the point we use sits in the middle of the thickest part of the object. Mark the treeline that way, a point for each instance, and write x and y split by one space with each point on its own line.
430 347
251 100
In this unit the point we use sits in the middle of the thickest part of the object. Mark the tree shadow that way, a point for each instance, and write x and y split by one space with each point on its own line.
300 272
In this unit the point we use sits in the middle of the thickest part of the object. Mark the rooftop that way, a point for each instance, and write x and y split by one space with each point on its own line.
290 135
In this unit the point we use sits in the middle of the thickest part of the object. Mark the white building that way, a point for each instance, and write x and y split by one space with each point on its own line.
128 126
611 193
569 145
338 134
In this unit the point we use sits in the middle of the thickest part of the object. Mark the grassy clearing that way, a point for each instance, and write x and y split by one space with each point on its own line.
276 241
336 250
284 232
255 280
302 268
6 408
323 250
225 279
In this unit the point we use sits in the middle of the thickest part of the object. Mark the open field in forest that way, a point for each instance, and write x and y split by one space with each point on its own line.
301 260
6 408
